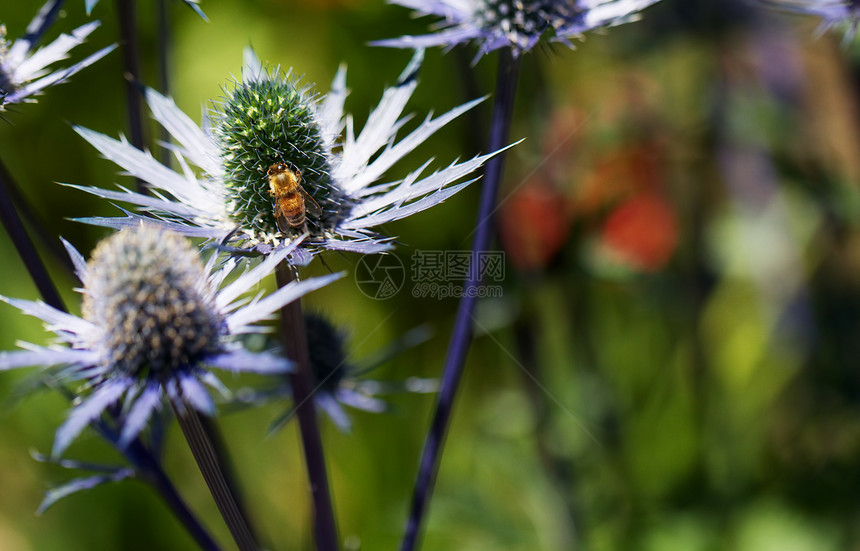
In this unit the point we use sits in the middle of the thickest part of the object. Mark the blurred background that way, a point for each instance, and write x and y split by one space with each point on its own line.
673 360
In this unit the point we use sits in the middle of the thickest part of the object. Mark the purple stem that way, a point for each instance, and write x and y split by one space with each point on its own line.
301 380
164 42
26 250
461 338
127 11
35 222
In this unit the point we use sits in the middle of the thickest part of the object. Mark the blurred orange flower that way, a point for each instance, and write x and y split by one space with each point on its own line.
642 232
534 224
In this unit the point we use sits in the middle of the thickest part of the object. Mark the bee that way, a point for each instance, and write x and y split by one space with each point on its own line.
292 202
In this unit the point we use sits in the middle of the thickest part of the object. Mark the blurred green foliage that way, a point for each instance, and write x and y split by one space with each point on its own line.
673 363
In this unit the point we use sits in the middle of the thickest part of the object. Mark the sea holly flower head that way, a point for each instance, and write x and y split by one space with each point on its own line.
332 373
515 24
155 320
340 382
24 70
146 293
267 121
833 13
277 161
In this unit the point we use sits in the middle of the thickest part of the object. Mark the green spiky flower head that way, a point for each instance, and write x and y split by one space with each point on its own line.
265 121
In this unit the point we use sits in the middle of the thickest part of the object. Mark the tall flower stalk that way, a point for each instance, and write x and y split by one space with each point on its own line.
513 28
294 335
127 14
211 462
26 250
461 337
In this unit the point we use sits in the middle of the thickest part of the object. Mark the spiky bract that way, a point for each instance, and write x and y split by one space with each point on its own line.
268 119
834 13
5 80
24 71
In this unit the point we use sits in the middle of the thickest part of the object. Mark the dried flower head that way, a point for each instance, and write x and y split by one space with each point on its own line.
154 321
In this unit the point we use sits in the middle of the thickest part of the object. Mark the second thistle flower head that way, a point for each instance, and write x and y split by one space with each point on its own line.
155 320
146 292
339 382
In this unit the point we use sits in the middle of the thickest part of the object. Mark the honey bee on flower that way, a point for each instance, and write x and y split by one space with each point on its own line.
271 138
292 202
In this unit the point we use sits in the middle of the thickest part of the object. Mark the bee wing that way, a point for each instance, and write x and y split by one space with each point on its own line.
280 218
310 203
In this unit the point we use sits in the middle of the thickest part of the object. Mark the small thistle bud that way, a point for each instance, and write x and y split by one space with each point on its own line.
270 121
146 289
336 380
327 351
